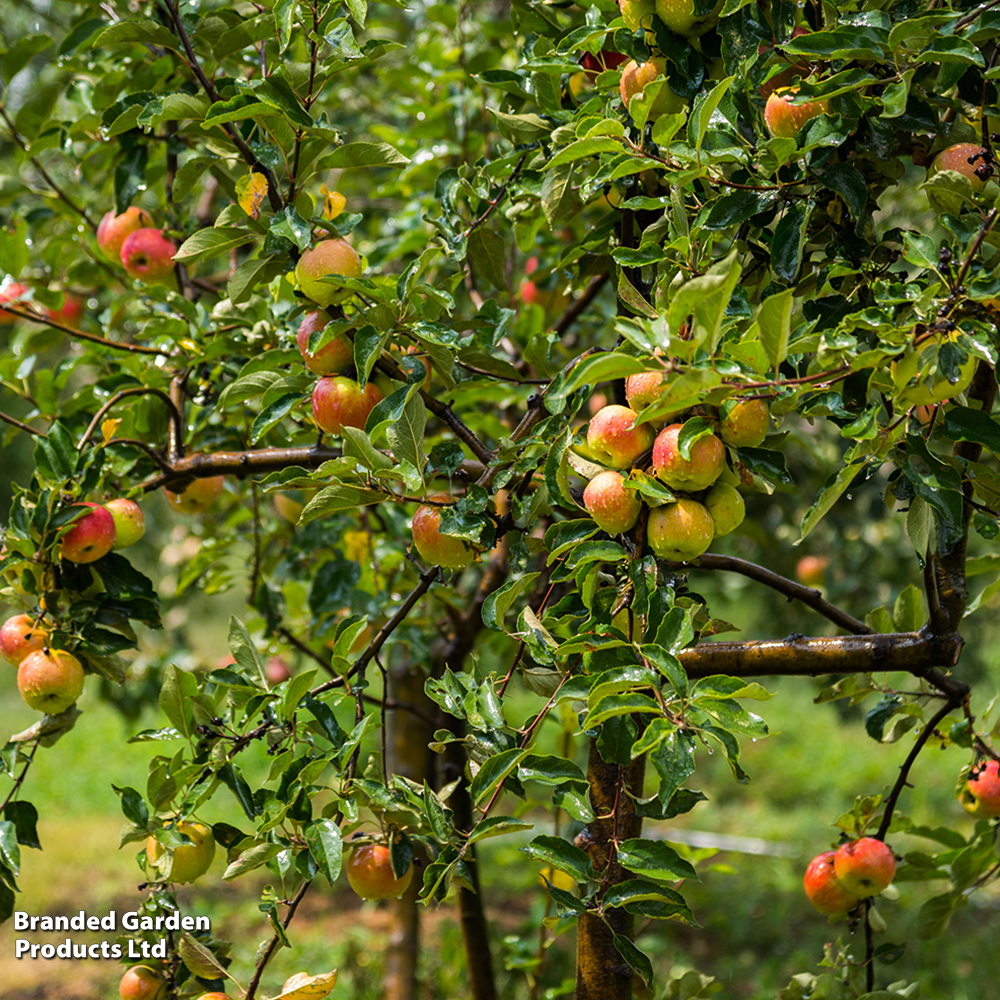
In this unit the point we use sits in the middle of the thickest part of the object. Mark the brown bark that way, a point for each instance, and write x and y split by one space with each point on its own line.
601 972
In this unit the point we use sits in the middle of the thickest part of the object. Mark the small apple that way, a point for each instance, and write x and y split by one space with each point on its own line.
370 874
70 313
197 496
726 506
981 795
708 458
637 13
333 357
918 376
745 422
12 293
21 635
328 257
680 17
680 531
148 255
822 888
607 59
434 547
645 388
636 78
784 119
811 570
339 402
966 158
50 680
142 983
610 504
189 861
113 230
130 522
614 439
90 537
864 867
214 996
276 671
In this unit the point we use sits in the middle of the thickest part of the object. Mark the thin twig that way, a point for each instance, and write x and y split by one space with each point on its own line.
175 417
36 317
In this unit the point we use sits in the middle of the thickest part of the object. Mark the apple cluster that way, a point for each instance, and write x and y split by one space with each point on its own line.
836 882
706 503
143 250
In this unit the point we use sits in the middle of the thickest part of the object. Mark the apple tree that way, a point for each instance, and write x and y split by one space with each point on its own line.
472 345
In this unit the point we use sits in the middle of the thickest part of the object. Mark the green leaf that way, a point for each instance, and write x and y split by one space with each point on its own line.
831 492
487 255
176 699
789 241
145 31
496 826
584 148
561 854
962 423
638 961
273 413
364 154
339 496
406 435
493 771
326 846
849 183
654 859
499 603
704 108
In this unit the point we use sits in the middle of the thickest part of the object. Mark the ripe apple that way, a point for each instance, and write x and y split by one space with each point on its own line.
130 522
680 17
148 255
339 402
680 531
276 671
12 293
327 257
786 76
435 548
189 861
981 795
90 537
965 158
593 65
726 506
197 496
70 313
142 983
864 867
614 508
708 458
21 635
614 439
811 570
50 680
784 119
745 422
823 890
113 230
636 78
333 357
645 388
369 872
214 996
637 13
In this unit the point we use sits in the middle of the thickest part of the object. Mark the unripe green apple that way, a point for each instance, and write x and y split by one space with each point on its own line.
680 17
189 861
614 439
50 680
89 538
197 496
130 522
965 158
745 423
113 230
726 506
328 257
21 635
142 983
708 458
864 867
784 119
435 548
637 13
823 889
981 795
680 531
369 872
916 373
614 508
335 356
339 402
635 79
148 255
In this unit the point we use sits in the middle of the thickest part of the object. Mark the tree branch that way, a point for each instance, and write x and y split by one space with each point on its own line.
36 317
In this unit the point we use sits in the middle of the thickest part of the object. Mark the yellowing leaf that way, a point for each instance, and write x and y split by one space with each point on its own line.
108 428
302 986
251 191
333 203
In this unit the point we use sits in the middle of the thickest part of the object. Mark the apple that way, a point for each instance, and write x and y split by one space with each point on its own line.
327 257
333 357
370 874
197 496
680 17
785 77
12 293
917 375
148 255
745 422
595 65
610 504
965 158
90 537
981 795
708 459
69 313
189 861
784 119
645 388
50 680
142 983
130 522
680 531
864 867
339 402
550 300
823 889
635 79
276 671
113 230
811 570
637 13
214 996
614 439
434 547
726 506
21 635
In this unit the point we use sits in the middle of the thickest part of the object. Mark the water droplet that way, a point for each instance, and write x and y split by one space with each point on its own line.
850 496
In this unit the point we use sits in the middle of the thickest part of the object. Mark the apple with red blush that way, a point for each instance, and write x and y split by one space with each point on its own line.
90 537
114 229
50 680
434 547
707 459
370 874
148 255
197 496
21 635
614 508
864 867
339 402
981 795
329 258
615 440
824 890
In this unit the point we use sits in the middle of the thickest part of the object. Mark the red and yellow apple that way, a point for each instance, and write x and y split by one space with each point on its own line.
335 356
276 671
981 795
50 680
811 570
69 313
965 158
635 79
786 120
745 422
12 293
328 257
784 77
824 890
613 507
864 867
21 635
614 439
680 531
142 983
370 874
434 547
113 230
90 537
130 522
189 861
708 458
197 496
339 402
148 255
